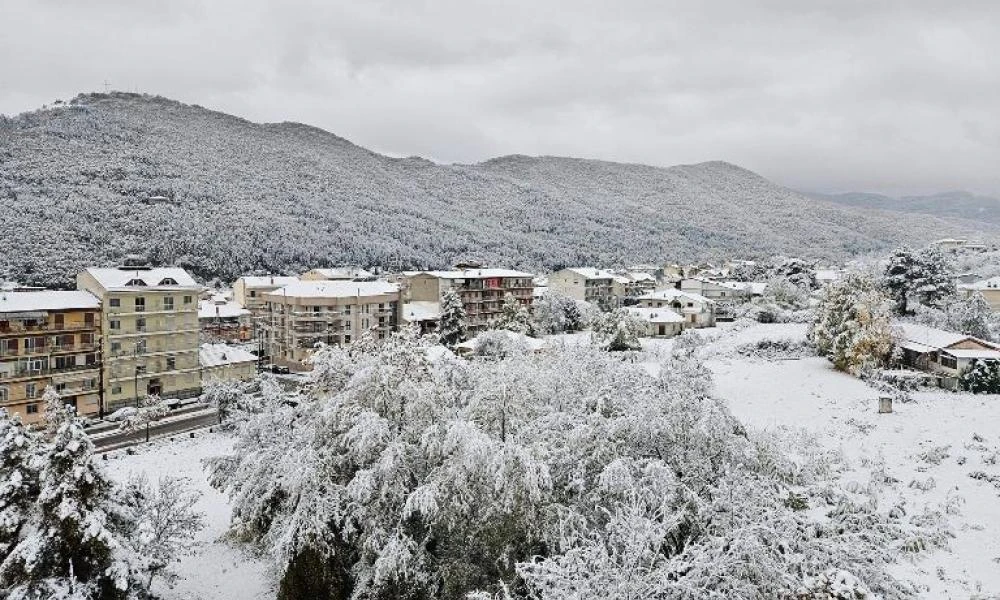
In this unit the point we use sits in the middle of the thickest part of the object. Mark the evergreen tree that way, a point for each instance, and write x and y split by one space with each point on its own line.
851 326
452 328
899 276
72 547
514 316
57 412
618 331
981 377
924 276
19 466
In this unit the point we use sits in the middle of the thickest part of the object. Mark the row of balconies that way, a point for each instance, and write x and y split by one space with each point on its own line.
29 371
14 327
46 350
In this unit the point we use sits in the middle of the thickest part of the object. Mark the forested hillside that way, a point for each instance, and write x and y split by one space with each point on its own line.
959 205
80 184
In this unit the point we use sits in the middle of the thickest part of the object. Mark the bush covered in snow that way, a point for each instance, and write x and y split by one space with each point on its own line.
563 474
852 324
770 349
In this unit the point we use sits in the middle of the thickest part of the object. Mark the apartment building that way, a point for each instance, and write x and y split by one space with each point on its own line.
223 320
49 338
596 286
249 291
482 290
149 332
303 314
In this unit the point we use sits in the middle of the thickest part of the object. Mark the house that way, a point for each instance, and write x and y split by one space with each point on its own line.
249 291
224 362
825 277
149 332
941 352
338 274
49 338
224 320
697 310
989 288
959 245
423 314
719 291
482 291
661 322
583 283
633 284
303 314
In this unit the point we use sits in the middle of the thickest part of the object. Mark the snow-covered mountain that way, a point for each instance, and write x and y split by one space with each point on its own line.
956 205
113 174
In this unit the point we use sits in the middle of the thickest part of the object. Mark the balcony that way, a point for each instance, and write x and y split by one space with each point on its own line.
14 328
22 371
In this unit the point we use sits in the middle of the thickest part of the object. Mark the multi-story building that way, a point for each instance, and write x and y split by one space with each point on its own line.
697 310
582 283
149 332
482 291
303 314
249 291
49 338
223 320
338 274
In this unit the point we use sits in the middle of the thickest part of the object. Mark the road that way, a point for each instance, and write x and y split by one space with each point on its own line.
157 429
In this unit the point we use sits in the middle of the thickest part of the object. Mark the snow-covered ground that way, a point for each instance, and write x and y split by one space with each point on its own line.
941 435
217 570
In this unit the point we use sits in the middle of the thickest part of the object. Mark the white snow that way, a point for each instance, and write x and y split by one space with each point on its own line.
12 302
217 570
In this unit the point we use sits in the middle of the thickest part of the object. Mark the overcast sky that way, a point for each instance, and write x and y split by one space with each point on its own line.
819 95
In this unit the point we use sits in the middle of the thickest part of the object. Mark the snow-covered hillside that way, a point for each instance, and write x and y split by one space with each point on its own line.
113 174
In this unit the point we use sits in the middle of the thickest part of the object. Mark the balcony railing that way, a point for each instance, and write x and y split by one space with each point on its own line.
44 327
21 371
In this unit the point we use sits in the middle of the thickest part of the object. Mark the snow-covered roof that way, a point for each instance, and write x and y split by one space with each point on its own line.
17 302
992 283
827 275
126 278
922 335
343 273
590 273
656 315
421 311
267 280
675 294
335 289
210 309
470 273
640 276
217 355
973 353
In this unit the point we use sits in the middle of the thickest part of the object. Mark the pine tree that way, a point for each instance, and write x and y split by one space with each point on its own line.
618 331
452 328
924 276
981 377
19 465
57 412
75 530
898 277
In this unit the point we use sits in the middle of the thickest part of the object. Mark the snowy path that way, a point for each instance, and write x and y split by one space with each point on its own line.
842 409
217 571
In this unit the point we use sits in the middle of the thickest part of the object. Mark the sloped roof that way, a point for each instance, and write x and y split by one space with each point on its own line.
267 280
992 283
210 309
14 302
421 311
934 338
656 315
343 273
591 273
115 278
217 355
675 294
335 289
471 273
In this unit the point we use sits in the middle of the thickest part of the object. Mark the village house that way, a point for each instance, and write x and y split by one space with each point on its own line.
697 310
338 274
482 291
224 362
223 320
989 288
303 314
583 283
633 284
423 314
940 352
959 245
49 339
660 322
249 291
149 332
719 291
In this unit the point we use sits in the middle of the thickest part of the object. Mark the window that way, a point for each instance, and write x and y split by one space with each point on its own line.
187 299
60 320
115 324
140 304
949 362
140 369
65 362
30 390
140 346
140 325
347 310
31 409
136 283
116 347
116 389
171 363
347 339
168 281
4 393
253 293
115 302
90 384
60 387
168 303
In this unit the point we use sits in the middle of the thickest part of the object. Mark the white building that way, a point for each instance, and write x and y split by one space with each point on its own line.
660 322
584 283
989 288
338 274
697 310
942 352
249 291
719 291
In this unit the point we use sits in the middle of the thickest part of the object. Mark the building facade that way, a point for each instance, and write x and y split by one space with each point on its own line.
989 288
223 362
222 320
49 338
338 274
696 310
303 314
582 283
249 291
482 291
149 332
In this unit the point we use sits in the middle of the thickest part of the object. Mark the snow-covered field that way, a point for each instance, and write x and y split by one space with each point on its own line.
217 570
935 437
934 443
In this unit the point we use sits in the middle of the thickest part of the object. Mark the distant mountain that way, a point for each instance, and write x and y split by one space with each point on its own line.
108 175
952 205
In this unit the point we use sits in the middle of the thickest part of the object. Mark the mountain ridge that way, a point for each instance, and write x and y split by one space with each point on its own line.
244 197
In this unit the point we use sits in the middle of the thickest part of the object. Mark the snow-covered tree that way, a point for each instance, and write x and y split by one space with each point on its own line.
57 411
514 316
852 324
981 377
452 328
151 409
72 544
924 276
165 525
618 330
970 315
557 313
19 466
795 271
